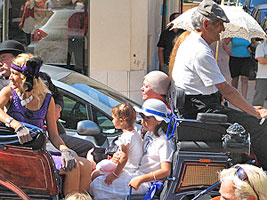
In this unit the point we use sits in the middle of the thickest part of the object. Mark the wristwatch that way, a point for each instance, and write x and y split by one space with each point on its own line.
8 121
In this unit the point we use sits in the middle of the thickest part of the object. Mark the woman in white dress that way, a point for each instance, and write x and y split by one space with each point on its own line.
155 163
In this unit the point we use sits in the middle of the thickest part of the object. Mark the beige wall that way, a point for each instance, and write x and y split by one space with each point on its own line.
123 42
139 30
109 34
118 44
118 34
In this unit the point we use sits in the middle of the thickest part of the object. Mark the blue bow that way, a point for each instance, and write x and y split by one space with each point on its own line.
156 185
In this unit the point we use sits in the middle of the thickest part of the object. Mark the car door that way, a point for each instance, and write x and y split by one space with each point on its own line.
77 109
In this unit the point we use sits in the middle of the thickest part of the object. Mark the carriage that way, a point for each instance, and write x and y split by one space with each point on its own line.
204 147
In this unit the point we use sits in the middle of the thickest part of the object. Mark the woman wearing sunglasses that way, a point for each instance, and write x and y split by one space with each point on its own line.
243 182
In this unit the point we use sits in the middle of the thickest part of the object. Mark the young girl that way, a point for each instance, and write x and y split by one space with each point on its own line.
130 150
155 163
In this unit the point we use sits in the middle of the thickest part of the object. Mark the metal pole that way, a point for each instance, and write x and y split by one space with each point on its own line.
5 20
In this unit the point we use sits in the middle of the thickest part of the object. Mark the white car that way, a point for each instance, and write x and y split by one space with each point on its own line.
50 41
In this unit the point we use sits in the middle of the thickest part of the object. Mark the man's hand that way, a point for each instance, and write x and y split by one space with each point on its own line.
135 182
263 113
258 107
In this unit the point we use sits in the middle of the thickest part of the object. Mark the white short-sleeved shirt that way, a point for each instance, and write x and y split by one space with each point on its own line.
261 51
156 147
135 149
195 69
156 150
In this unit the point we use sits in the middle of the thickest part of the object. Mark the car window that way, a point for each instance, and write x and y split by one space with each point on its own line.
73 112
104 122
96 89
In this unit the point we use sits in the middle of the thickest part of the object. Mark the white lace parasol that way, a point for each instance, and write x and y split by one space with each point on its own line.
241 24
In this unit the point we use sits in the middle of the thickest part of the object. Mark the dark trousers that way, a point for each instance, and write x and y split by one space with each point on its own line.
212 104
76 46
28 38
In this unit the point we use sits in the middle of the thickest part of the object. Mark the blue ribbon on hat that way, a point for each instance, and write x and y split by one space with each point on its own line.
154 112
170 116
169 136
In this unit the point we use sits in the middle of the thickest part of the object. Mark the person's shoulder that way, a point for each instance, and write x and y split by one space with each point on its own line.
6 90
165 32
130 133
262 44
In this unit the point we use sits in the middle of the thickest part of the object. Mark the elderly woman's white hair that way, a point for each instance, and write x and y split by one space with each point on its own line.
256 184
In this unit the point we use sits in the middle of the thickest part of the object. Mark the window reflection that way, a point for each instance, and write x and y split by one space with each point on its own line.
56 30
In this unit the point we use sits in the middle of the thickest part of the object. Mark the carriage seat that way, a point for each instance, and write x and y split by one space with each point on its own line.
28 166
33 171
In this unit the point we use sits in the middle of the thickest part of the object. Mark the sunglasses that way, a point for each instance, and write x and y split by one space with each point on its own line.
242 175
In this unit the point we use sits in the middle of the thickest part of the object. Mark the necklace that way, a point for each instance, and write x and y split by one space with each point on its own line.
24 101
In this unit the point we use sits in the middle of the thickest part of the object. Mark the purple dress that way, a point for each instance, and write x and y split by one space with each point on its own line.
36 118
23 114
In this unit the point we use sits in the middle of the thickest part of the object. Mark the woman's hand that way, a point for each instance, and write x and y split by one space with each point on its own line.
68 159
23 134
136 182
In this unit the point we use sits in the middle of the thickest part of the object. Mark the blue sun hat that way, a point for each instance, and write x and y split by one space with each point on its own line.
155 108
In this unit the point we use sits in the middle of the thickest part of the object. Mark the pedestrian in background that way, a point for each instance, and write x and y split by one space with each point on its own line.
166 42
239 62
77 29
261 78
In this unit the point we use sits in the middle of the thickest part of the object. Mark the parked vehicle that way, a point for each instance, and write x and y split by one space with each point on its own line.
86 99
264 23
259 13
250 4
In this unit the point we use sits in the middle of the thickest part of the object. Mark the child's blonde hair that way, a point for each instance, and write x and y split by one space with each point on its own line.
126 112
78 196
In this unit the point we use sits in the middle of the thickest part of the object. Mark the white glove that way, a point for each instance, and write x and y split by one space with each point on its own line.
23 134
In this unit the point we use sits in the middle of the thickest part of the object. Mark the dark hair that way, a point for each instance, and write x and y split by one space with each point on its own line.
126 112
162 125
172 16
